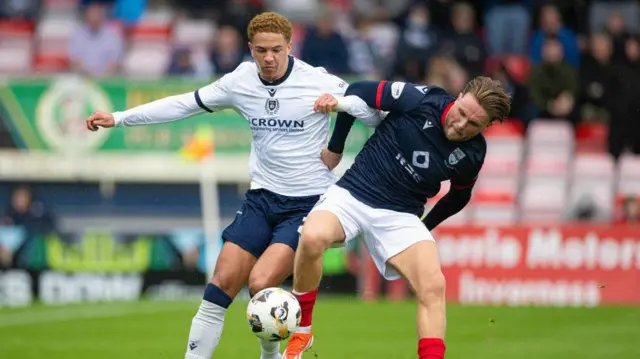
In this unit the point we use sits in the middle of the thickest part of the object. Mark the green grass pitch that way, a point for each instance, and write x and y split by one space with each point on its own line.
344 328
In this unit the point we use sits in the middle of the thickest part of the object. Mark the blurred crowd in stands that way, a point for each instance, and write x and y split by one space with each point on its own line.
567 60
575 60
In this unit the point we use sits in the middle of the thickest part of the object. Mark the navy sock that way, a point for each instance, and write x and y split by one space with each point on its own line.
217 296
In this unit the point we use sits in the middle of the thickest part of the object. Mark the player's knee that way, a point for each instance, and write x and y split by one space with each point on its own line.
431 287
227 281
259 282
313 240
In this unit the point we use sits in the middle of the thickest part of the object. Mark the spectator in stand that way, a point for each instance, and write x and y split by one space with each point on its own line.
228 51
95 48
598 81
624 127
507 26
445 72
20 9
551 26
463 44
419 41
181 63
381 10
237 14
585 208
630 213
24 211
519 93
554 85
364 58
618 18
129 11
324 46
617 30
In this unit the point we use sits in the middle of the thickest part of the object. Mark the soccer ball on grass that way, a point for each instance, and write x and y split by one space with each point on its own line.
273 314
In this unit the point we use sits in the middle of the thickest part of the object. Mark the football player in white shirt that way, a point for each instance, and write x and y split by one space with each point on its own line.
289 170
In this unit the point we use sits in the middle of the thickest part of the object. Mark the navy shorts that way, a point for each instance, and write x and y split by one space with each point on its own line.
266 218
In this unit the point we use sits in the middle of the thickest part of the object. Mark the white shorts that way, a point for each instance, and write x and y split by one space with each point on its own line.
385 232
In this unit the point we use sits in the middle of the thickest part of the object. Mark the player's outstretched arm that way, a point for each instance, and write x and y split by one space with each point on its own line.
168 109
172 108
453 202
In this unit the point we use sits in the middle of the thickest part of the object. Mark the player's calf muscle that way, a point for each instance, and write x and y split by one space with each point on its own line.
273 267
232 269
420 265
319 232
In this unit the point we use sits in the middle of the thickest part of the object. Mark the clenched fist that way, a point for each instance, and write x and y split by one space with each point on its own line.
325 104
100 119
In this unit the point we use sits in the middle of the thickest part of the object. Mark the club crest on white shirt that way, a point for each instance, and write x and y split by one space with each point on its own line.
271 106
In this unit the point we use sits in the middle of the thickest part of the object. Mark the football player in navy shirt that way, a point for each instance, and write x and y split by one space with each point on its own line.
427 137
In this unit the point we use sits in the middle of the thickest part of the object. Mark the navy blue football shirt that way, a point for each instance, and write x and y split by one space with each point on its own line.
408 156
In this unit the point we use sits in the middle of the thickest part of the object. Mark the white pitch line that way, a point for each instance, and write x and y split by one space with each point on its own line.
53 314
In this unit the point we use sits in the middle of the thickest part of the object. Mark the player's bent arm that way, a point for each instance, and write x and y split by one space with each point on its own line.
387 96
349 108
453 202
356 107
344 121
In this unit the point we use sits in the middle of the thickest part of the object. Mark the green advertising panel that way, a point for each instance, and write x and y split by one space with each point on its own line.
49 114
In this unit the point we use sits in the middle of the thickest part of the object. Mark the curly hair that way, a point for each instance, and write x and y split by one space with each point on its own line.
491 96
270 22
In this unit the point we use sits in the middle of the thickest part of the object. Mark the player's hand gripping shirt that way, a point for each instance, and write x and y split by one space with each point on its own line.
408 156
288 135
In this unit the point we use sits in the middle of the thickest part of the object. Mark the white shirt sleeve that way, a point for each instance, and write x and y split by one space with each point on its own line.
210 98
356 107
352 105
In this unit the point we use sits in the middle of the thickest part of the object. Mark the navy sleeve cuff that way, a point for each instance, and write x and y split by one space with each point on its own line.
344 121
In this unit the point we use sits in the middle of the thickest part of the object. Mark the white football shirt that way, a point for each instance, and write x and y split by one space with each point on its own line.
288 135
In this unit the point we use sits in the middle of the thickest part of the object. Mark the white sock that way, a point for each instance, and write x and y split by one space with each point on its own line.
206 328
270 350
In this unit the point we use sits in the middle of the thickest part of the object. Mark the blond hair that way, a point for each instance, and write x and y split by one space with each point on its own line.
491 96
271 22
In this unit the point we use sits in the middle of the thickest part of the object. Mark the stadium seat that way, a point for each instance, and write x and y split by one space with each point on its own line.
52 35
148 60
593 176
511 128
494 199
593 165
550 133
51 62
193 33
591 137
16 29
519 67
539 164
629 174
15 60
16 36
543 200
49 5
503 156
505 147
144 32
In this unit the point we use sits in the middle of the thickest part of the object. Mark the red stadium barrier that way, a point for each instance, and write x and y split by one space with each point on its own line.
573 265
